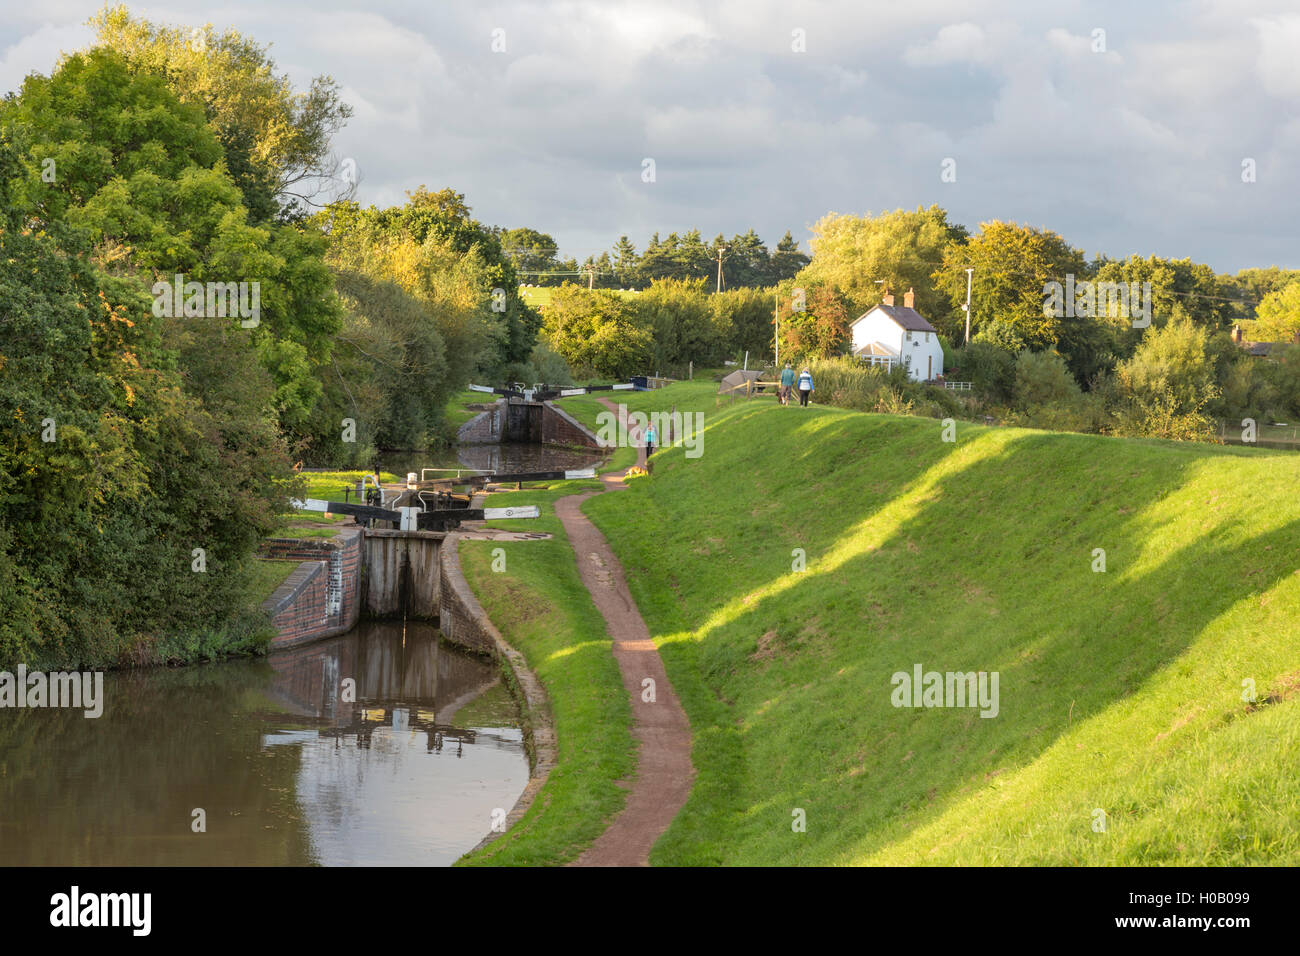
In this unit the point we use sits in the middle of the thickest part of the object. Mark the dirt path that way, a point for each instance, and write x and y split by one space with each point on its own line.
664 771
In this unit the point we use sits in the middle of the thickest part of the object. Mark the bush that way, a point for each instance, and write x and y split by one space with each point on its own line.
990 369
847 383
1042 378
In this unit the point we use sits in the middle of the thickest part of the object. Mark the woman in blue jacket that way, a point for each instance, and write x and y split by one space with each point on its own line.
805 387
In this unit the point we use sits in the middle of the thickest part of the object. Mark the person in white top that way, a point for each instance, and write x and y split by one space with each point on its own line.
805 387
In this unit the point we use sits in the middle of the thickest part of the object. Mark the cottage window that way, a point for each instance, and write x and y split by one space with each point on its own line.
909 335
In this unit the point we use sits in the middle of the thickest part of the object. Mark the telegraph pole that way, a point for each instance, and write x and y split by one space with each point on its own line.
966 308
776 312
721 250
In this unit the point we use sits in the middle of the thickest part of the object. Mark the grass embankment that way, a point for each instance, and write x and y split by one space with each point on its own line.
456 412
700 395
542 608
1120 691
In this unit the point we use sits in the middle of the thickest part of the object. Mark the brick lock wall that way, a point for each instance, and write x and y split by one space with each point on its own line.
560 428
300 606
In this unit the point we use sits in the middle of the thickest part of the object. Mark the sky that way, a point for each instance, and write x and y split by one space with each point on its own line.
1127 128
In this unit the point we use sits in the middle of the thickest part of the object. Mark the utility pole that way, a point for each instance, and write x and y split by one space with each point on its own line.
591 278
721 250
966 308
776 312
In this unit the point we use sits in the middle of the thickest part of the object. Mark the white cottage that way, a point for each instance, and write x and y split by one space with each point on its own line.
888 335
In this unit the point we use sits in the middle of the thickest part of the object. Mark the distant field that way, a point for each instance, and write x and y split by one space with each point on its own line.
540 296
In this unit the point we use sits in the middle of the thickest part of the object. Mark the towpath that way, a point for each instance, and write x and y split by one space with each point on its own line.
664 771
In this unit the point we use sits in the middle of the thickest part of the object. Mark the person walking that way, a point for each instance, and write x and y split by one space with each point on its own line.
805 387
650 437
787 383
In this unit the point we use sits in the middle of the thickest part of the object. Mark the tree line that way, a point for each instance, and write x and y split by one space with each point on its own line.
148 438
746 260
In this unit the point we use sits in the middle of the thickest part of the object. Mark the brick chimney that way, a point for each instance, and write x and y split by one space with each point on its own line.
909 299
1236 334
887 298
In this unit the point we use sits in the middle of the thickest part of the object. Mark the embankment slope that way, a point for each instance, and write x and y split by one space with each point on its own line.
1120 691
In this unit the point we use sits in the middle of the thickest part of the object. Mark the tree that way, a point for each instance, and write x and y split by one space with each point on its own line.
597 333
1278 316
1205 298
821 328
625 262
119 459
746 261
744 319
864 256
1042 378
1168 383
445 216
684 327
1012 263
144 177
530 251
785 262
279 140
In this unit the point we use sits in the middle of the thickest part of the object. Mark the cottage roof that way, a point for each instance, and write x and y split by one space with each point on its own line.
902 316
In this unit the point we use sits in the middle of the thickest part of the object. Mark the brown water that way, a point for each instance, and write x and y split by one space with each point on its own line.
504 457
408 774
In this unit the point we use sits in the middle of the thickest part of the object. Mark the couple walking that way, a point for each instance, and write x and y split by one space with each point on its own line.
788 381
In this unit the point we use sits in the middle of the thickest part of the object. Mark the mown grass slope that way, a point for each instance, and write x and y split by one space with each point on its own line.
1120 691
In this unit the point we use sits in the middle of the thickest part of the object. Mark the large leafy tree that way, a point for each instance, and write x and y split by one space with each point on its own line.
1011 265
445 217
143 175
118 461
1278 317
864 255
277 140
1206 298
814 320
685 328
598 333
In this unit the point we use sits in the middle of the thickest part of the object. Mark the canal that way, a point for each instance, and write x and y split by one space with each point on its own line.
274 758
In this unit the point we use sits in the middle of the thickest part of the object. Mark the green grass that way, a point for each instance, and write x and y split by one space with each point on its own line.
1119 691
542 608
264 576
686 397
456 414
329 485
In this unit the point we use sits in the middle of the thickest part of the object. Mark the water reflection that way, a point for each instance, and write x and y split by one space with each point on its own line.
286 768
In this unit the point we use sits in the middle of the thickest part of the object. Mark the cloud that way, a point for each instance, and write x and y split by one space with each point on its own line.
1136 149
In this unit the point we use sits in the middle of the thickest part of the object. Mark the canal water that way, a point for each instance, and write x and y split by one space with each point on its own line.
503 457
285 767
